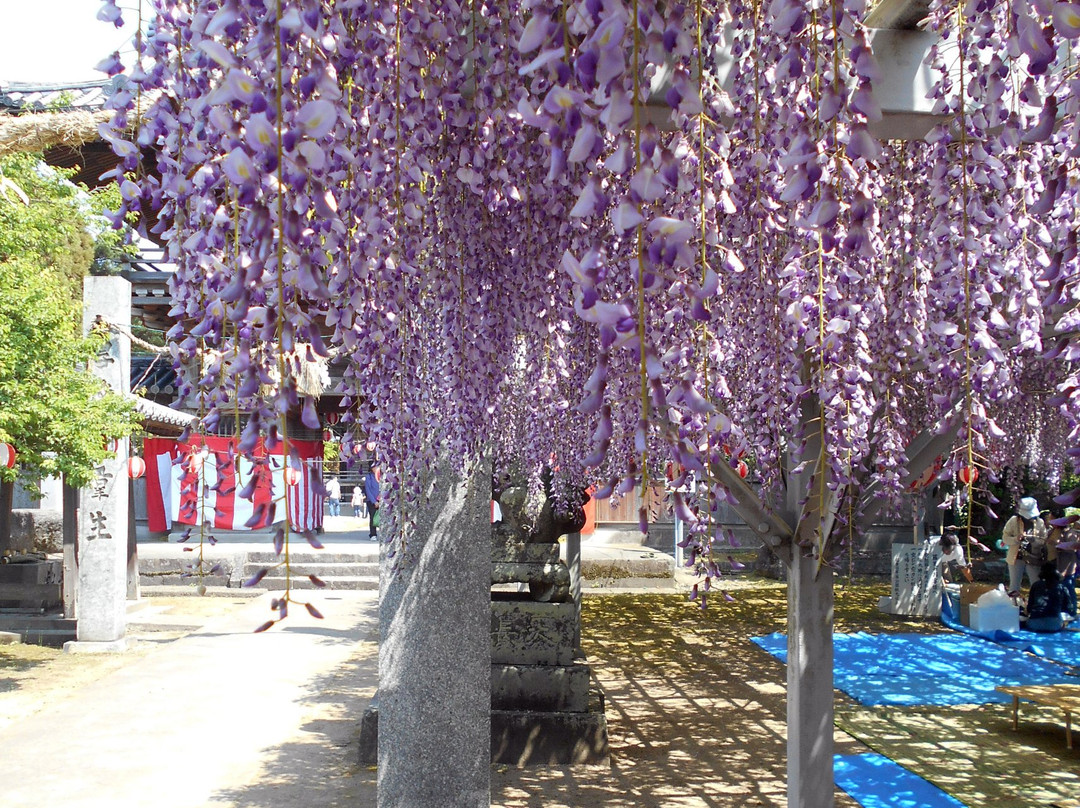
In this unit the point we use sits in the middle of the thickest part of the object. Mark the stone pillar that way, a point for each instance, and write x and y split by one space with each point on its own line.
102 542
810 683
434 745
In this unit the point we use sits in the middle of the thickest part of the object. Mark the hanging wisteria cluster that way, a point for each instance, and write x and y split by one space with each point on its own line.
604 235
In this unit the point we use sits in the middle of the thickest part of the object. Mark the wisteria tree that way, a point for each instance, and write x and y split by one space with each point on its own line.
619 233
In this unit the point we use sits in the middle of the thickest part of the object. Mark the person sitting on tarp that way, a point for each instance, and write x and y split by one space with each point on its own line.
1049 604
952 553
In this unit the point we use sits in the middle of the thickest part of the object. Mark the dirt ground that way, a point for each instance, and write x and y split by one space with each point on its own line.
696 715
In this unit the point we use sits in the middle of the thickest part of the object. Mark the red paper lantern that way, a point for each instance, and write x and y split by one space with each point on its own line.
327 436
7 455
197 458
136 467
333 417
292 476
969 475
743 469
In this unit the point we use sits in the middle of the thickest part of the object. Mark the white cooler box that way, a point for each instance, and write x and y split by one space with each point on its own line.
1005 617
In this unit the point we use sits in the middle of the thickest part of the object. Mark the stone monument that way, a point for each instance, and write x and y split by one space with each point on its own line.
101 602
916 584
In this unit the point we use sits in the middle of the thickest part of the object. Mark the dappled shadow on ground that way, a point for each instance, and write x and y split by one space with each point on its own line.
318 767
696 713
17 661
973 753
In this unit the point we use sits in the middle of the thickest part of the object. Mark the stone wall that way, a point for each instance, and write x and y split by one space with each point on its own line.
37 531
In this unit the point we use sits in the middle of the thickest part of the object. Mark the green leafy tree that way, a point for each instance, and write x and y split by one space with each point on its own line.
56 414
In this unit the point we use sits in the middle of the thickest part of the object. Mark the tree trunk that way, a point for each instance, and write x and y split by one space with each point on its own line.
810 683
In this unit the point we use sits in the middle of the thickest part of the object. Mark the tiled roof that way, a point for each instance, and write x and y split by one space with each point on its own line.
19 97
154 414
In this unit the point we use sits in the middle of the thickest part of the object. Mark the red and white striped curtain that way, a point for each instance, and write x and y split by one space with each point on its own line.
208 481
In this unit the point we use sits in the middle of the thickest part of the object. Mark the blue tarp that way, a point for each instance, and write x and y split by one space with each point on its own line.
917 669
877 782
1061 646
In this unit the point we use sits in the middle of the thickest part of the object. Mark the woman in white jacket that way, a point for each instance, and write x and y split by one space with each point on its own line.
1024 535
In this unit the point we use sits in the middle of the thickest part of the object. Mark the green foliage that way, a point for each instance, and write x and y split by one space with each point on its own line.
52 229
113 249
55 413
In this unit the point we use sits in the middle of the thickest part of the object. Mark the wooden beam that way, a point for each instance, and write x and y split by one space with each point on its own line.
902 15
770 527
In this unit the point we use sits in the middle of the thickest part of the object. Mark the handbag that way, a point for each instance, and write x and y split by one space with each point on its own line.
375 519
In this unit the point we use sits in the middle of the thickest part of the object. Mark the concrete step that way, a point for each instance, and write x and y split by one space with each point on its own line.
191 588
277 583
305 568
268 557
51 630
177 579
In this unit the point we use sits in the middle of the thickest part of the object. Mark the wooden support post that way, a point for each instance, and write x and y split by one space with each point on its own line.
810 683
71 556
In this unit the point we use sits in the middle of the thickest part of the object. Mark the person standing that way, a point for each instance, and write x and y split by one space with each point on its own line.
333 493
1062 544
1024 538
371 496
358 509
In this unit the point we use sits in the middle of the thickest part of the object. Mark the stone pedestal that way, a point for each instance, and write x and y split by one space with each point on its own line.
545 708
435 653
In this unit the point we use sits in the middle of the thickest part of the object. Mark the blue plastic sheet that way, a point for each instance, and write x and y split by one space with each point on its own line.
925 669
877 782
1061 646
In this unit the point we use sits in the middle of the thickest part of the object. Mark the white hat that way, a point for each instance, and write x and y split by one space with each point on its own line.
1029 508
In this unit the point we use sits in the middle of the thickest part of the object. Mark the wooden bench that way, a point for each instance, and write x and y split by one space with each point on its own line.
1065 697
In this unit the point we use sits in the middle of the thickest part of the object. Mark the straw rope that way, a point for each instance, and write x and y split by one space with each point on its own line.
40 131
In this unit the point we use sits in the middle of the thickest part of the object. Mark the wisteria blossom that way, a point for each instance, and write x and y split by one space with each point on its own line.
601 236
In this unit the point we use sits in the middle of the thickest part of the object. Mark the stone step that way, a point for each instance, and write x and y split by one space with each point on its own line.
357 582
48 630
190 587
267 557
305 568
175 579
